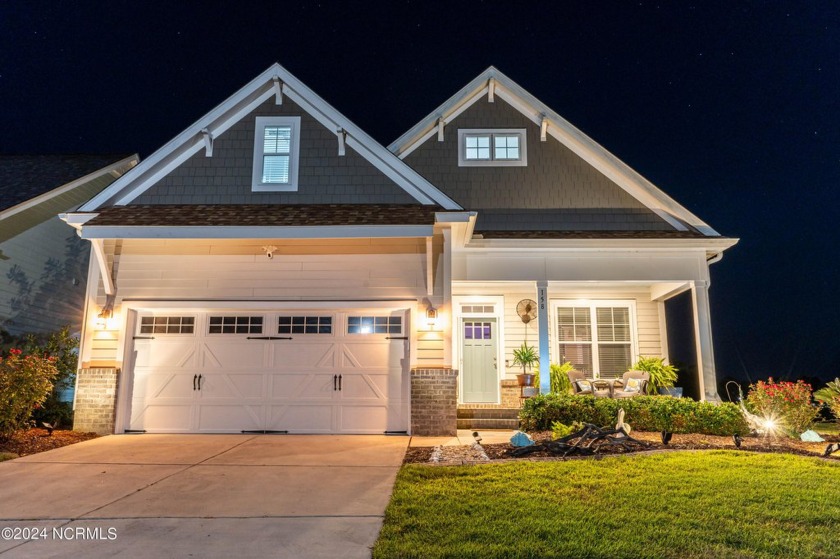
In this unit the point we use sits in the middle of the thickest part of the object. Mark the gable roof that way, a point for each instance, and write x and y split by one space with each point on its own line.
35 188
493 83
24 177
275 81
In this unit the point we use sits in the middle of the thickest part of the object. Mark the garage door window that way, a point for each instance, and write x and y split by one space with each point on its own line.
236 325
304 325
374 325
167 324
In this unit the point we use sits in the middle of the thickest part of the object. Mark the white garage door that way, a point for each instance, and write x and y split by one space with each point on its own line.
296 372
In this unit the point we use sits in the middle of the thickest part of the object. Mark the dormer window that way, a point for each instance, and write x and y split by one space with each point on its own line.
492 148
276 149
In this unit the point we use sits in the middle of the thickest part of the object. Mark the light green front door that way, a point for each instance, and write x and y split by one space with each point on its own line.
480 370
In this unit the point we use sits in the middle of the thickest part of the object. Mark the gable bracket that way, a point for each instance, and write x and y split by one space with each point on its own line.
278 90
341 133
440 125
491 91
104 269
543 128
208 142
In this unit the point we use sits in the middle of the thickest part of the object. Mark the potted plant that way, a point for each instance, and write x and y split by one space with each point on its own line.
662 376
526 356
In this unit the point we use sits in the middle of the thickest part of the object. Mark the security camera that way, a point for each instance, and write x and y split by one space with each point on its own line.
269 251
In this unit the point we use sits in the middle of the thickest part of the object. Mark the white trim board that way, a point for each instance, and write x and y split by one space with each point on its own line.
236 107
256 232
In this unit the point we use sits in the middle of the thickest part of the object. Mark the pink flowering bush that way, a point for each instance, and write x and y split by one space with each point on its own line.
789 402
25 382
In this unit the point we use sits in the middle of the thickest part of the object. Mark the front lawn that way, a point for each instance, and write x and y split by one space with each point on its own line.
680 505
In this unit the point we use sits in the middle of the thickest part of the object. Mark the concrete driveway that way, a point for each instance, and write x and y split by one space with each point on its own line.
200 496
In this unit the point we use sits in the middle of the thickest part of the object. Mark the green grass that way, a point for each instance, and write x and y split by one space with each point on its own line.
7 456
681 505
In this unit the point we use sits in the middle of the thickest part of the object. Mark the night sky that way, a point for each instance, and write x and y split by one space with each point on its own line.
729 107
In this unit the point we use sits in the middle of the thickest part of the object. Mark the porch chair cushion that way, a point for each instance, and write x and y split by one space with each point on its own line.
584 386
632 385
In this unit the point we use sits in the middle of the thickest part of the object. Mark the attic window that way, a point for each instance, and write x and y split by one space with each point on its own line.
492 148
276 150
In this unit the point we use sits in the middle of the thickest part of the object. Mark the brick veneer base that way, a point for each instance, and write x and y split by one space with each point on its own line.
510 398
96 400
434 402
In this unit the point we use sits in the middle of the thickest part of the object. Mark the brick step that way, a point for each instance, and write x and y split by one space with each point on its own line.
488 413
478 424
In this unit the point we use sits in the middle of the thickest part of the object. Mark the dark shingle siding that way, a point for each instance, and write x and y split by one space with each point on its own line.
571 219
323 178
23 177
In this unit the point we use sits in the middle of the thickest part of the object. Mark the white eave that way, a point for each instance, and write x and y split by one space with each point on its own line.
255 232
236 107
560 129
712 245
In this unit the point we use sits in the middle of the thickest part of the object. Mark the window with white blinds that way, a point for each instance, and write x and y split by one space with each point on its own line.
276 150
597 338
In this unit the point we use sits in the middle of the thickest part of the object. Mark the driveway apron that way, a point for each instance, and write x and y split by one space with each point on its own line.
200 496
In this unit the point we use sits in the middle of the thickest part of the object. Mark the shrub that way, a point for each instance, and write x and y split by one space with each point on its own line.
560 430
25 382
62 347
789 402
661 375
643 413
830 396
558 379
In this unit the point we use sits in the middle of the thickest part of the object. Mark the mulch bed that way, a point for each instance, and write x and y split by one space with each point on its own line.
455 455
32 441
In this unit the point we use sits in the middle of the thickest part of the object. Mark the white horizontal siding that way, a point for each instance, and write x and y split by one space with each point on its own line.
647 316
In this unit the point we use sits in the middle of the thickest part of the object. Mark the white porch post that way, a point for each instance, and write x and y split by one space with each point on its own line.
703 341
542 321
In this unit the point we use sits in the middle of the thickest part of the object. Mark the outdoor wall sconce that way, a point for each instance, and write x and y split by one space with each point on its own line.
105 316
431 317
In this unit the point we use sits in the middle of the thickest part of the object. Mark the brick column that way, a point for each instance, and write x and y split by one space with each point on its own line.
434 402
96 400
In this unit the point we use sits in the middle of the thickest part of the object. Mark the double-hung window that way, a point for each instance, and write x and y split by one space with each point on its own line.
492 148
276 151
597 338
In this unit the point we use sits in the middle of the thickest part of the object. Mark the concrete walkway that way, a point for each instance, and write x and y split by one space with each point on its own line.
465 437
200 496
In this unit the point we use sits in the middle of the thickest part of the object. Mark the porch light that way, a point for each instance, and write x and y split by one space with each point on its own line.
431 317
105 316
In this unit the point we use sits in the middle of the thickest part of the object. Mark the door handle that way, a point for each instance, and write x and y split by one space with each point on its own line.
199 382
339 383
195 377
335 382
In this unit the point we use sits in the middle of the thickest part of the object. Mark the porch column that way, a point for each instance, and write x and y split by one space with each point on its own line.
703 341
542 321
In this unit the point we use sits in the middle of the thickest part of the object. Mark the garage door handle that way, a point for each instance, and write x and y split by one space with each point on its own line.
195 377
267 338
199 382
339 383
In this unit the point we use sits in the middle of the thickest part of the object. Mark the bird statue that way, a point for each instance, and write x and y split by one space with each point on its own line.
737 439
477 437
50 427
831 449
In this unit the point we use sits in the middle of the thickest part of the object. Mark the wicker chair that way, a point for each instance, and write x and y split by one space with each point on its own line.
597 388
623 392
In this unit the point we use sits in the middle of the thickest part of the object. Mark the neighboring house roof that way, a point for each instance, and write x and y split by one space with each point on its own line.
35 188
493 83
23 177
288 215
275 82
